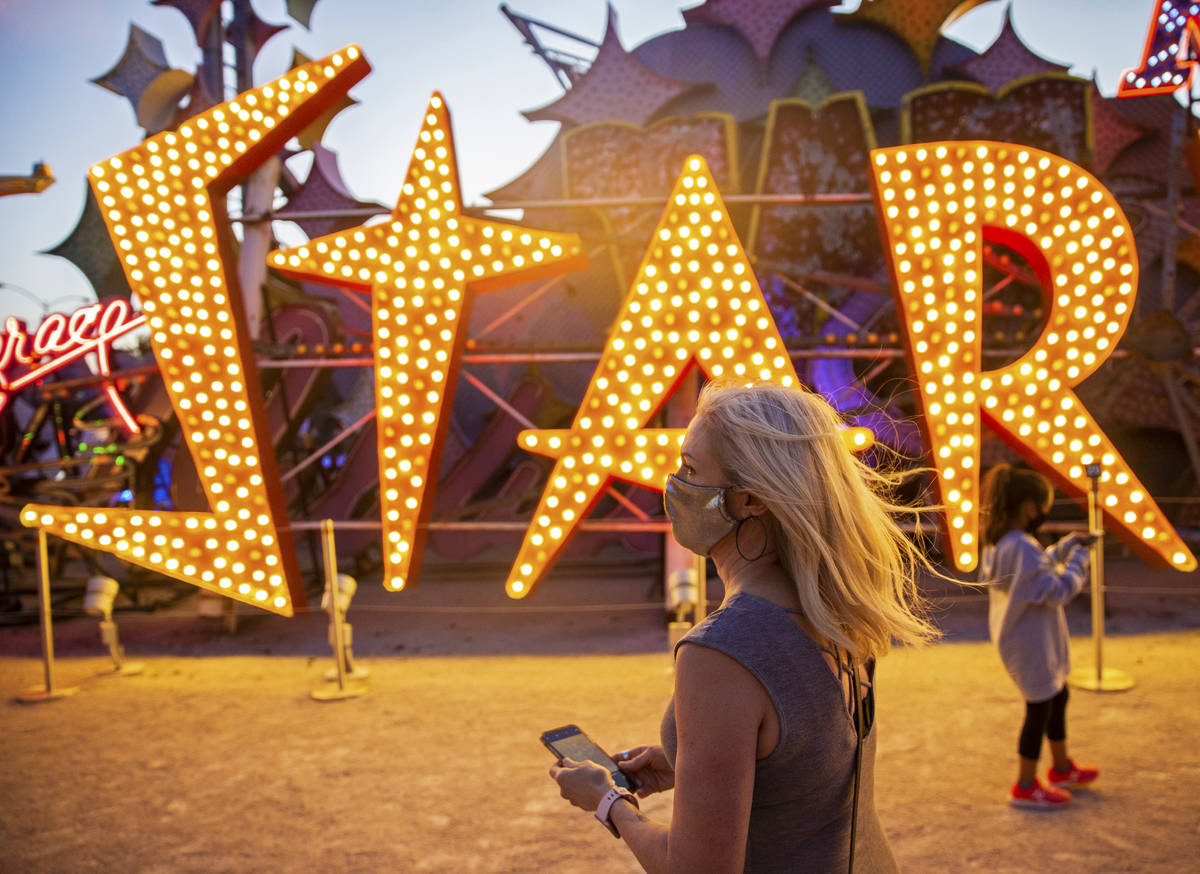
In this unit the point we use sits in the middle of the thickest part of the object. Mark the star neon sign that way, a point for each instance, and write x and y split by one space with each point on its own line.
164 204
694 300
422 269
937 203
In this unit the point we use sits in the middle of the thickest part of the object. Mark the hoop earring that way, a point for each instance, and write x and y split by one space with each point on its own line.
737 538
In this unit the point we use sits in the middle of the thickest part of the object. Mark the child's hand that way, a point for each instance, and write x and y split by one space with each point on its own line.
1082 540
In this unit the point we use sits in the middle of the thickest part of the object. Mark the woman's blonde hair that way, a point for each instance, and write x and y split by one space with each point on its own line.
833 521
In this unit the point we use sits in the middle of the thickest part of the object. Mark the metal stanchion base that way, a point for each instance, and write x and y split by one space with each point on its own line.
129 669
359 673
1110 680
333 692
38 694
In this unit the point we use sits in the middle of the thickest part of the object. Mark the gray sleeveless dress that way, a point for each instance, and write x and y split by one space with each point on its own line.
801 810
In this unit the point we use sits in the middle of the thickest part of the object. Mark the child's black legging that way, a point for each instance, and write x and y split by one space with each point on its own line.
1043 717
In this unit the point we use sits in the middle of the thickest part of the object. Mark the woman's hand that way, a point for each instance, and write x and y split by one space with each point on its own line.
649 768
581 783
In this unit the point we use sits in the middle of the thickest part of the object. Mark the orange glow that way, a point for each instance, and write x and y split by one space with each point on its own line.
694 299
937 202
163 203
1165 68
421 269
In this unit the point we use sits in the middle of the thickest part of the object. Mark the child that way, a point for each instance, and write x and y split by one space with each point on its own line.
1029 587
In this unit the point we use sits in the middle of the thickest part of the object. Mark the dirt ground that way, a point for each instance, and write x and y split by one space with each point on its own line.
216 758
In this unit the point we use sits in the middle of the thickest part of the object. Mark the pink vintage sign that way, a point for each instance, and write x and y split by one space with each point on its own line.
61 339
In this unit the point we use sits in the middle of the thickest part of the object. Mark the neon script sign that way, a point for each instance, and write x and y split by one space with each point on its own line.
61 339
694 300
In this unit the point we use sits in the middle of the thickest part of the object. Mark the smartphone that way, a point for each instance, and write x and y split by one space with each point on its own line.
570 742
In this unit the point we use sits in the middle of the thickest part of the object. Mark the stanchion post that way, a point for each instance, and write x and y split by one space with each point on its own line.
345 688
1096 571
48 692
331 586
1097 678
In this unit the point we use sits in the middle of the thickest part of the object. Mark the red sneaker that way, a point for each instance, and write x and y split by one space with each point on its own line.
1039 797
1075 777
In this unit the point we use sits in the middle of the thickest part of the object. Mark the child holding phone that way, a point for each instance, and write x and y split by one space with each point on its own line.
1028 588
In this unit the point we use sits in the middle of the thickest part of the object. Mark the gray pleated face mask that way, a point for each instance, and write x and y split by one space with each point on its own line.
699 517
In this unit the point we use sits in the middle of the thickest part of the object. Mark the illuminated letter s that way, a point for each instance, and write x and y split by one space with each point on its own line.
163 203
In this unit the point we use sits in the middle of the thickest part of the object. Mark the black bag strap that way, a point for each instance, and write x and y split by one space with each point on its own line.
858 731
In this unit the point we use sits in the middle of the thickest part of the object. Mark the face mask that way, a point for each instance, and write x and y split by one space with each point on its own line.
698 515
1036 522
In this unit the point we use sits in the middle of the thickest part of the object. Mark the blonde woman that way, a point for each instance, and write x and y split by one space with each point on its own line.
768 741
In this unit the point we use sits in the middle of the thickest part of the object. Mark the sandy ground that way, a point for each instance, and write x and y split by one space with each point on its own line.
216 758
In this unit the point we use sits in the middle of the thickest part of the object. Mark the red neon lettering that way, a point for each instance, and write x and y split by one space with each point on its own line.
92 328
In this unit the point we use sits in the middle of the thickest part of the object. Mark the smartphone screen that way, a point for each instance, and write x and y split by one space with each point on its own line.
569 742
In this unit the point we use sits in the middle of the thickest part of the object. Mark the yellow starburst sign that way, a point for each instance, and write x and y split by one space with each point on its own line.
421 269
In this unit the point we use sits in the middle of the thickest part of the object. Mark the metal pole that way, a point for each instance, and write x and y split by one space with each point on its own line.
344 689
1098 678
1179 122
1096 566
331 586
48 692
43 562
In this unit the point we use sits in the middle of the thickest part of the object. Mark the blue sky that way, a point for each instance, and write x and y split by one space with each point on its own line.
49 49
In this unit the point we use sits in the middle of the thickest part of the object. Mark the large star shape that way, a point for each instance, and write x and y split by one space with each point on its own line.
421 269
694 300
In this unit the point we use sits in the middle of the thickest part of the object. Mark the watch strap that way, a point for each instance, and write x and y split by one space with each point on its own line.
604 809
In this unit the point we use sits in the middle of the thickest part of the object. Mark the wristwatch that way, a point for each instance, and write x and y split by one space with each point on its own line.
604 811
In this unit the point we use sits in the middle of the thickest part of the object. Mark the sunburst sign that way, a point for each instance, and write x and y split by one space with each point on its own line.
694 300
163 203
421 269
936 203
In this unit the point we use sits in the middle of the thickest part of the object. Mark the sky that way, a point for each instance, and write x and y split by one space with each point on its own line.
466 49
